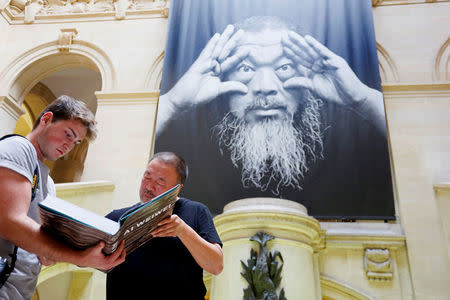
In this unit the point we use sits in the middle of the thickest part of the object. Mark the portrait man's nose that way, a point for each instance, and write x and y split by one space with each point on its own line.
265 82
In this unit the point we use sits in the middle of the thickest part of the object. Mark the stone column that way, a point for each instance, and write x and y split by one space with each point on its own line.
124 143
297 238
10 112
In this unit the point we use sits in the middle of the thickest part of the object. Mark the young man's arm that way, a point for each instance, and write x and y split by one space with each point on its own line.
18 228
207 255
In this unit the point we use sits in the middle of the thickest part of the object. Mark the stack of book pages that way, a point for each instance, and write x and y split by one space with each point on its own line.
82 228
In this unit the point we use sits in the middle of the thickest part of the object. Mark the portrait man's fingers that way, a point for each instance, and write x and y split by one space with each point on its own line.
230 45
209 48
224 37
301 47
328 64
299 60
298 82
232 86
318 47
235 59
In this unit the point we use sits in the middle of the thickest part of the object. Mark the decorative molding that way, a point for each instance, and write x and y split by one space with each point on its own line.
65 39
442 63
11 107
337 290
49 272
20 75
359 236
45 11
4 4
363 241
416 90
76 188
377 264
389 71
443 186
154 76
403 2
121 7
127 98
372 228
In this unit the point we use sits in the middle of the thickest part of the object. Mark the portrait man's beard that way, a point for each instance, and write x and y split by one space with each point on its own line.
273 153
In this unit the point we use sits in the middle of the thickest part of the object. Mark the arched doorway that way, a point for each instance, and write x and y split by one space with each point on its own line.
80 83
38 76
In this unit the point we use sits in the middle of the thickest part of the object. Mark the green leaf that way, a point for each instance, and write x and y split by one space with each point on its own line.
282 295
262 238
277 254
248 294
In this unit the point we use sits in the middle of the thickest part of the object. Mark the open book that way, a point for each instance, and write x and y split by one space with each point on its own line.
82 228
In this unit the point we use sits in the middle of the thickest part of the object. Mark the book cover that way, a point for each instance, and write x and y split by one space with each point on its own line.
82 228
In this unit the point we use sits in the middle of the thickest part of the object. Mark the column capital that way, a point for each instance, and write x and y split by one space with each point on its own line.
11 107
282 218
126 97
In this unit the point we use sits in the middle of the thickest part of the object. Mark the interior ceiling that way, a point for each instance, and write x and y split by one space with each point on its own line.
80 83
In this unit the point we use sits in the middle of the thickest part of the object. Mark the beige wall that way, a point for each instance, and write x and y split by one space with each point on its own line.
413 35
418 114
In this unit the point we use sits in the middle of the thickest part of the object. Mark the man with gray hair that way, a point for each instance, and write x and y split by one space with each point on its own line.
169 266
279 89
24 182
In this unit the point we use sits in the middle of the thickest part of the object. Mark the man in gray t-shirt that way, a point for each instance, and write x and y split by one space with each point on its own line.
18 155
25 181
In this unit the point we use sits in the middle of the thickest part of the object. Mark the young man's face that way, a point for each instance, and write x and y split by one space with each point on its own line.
158 178
264 71
57 138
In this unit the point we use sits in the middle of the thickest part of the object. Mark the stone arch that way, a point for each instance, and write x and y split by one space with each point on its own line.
23 74
332 289
442 63
388 69
154 76
19 77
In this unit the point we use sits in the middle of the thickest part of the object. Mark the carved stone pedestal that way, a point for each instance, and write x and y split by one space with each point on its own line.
297 238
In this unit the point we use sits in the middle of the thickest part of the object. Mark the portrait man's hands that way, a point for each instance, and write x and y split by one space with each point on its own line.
202 82
326 74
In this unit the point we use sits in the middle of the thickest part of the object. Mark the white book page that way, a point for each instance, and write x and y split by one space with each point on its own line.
74 212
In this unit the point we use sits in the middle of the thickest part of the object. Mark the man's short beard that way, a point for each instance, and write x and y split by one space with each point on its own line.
274 153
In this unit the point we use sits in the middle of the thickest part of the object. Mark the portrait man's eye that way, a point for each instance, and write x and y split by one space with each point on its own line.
244 72
285 72
245 68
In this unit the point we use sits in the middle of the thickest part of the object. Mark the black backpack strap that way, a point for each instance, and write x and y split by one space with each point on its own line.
10 135
35 182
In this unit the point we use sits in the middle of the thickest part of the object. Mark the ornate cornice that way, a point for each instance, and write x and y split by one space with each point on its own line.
11 107
403 2
416 90
127 97
47 11
443 186
77 188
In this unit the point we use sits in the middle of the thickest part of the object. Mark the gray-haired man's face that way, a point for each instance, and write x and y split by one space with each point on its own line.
264 71
264 133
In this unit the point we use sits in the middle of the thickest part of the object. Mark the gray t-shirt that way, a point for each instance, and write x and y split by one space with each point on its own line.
19 155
